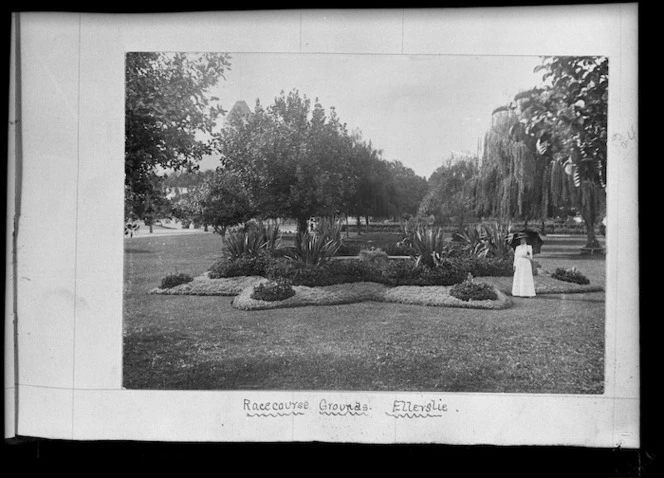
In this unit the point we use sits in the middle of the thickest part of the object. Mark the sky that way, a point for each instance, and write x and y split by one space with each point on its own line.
418 109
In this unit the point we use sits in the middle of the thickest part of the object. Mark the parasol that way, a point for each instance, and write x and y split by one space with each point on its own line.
532 238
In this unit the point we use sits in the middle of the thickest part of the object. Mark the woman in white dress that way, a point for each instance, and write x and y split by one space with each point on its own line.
523 285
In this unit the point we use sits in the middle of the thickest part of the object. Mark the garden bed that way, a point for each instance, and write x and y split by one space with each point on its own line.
203 285
242 288
544 284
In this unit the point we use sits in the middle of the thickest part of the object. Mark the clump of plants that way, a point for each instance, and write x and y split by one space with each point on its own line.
484 240
317 248
570 274
251 240
244 265
405 272
486 266
373 255
173 280
329 273
471 290
428 244
273 291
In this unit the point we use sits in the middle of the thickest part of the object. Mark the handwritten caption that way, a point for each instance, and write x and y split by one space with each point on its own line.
626 139
409 409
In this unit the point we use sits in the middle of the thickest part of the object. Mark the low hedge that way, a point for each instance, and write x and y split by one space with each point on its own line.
487 266
403 273
397 272
330 273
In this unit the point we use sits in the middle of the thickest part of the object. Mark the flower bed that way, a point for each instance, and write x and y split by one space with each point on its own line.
244 287
204 285
337 294
544 284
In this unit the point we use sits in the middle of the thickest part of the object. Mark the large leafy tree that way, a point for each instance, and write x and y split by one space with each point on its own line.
409 190
374 186
567 117
292 159
224 202
508 181
170 118
450 190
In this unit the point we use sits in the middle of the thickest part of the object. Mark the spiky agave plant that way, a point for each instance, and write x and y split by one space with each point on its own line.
243 243
314 249
428 243
329 228
471 239
272 236
494 241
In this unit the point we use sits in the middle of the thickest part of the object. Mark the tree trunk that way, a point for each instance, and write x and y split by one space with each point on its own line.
359 225
347 228
366 218
589 214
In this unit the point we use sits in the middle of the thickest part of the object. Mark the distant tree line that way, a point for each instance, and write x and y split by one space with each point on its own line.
544 155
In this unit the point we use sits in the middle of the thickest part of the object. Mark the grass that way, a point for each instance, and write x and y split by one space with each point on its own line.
551 344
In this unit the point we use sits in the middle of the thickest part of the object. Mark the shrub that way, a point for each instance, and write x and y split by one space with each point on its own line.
486 266
173 280
373 255
329 273
571 274
390 245
245 265
397 249
408 273
273 291
356 271
469 290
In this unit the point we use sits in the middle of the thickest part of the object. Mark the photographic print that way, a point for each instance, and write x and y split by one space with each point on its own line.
392 226
358 222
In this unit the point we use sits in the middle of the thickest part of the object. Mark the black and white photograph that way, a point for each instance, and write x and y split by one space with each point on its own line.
365 222
408 226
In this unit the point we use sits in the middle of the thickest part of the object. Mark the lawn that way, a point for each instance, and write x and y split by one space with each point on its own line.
550 344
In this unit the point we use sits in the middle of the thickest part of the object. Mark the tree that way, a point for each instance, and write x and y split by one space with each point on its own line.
450 190
509 178
374 185
169 118
409 190
567 116
292 159
224 202
150 205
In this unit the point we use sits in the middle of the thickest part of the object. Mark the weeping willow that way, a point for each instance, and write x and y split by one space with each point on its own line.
510 176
